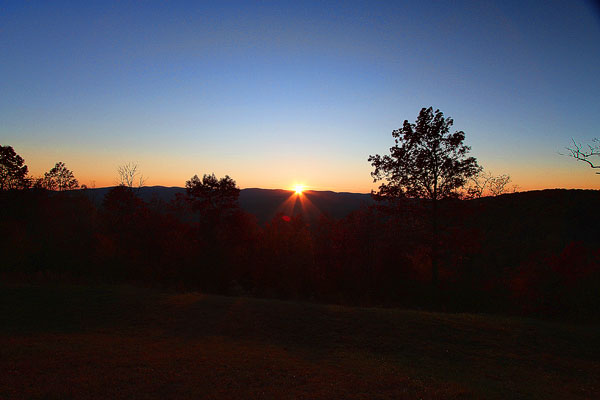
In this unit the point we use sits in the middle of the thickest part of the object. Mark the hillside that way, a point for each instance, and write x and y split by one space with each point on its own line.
101 342
537 221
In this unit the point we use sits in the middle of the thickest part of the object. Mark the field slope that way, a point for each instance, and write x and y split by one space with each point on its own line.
121 342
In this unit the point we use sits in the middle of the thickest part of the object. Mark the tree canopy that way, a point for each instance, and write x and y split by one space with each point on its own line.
426 161
212 194
13 171
59 178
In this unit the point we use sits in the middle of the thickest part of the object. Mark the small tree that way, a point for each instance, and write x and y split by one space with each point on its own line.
13 171
212 198
586 154
498 184
484 183
212 195
58 178
427 161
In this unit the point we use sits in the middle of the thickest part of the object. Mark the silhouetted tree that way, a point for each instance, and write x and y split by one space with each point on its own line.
215 202
120 205
58 178
211 195
580 153
129 176
484 183
426 161
498 184
123 241
13 171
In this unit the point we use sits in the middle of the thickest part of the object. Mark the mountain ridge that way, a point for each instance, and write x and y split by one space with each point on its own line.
267 203
264 203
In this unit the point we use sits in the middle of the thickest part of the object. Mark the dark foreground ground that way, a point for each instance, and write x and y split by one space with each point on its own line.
60 342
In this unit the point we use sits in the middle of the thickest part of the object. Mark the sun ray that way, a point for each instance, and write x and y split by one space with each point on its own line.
298 202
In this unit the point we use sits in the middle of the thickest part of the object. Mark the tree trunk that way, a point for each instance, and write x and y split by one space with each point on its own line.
434 243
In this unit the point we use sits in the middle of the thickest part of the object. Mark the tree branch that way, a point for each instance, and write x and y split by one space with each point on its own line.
577 152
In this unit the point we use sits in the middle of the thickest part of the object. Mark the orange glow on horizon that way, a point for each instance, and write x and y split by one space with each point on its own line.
99 169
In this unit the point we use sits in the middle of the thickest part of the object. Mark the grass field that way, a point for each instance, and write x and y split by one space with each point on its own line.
60 342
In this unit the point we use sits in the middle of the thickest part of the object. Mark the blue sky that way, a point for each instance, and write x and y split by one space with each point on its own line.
277 93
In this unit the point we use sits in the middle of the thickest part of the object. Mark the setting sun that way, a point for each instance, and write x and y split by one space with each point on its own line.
276 195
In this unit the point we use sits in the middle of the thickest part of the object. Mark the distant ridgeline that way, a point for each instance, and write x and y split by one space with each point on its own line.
266 203
568 210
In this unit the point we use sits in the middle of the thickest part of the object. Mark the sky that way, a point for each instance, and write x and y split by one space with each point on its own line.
277 93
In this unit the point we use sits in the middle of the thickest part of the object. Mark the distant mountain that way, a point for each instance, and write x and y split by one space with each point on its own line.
555 212
266 203
146 193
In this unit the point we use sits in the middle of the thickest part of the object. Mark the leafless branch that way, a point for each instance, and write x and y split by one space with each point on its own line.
486 184
129 176
578 152
498 184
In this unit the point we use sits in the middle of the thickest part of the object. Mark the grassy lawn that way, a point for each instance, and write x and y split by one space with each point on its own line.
61 342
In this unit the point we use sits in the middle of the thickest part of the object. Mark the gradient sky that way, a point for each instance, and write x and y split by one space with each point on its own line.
277 93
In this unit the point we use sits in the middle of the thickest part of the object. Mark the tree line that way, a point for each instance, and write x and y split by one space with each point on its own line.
420 245
14 174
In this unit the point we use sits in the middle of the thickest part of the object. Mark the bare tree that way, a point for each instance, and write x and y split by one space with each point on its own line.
129 176
484 183
478 184
585 154
498 184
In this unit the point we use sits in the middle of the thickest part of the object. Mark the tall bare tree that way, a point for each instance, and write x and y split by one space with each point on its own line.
129 176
